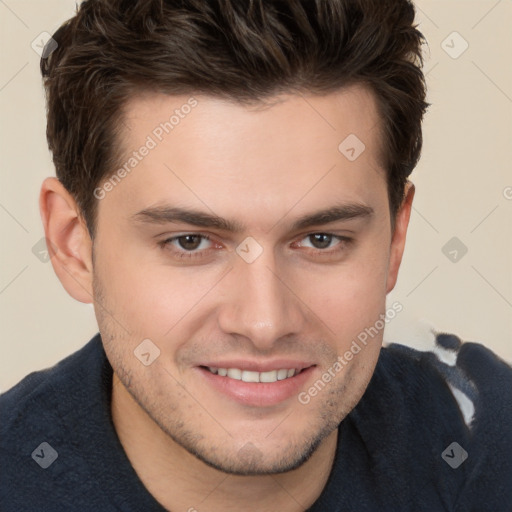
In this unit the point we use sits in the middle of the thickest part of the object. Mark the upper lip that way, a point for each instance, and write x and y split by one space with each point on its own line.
259 366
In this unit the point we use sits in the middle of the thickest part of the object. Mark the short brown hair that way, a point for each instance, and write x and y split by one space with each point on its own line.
243 50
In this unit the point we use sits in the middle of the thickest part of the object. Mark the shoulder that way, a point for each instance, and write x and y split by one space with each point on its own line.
38 404
478 379
42 391
459 395
46 402
40 418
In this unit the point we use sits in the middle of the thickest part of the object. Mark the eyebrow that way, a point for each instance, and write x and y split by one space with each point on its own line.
169 214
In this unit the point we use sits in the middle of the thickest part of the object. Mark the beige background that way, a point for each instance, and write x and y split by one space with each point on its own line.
464 190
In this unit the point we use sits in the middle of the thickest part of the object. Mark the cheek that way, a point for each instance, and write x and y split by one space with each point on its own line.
150 297
350 297
135 292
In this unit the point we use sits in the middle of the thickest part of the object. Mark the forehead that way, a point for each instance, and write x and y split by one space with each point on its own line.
206 151
284 121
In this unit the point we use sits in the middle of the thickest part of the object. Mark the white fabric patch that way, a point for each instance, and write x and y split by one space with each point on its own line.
446 356
466 405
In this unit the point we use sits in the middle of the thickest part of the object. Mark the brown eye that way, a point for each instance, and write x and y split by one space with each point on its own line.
188 245
189 242
327 244
321 240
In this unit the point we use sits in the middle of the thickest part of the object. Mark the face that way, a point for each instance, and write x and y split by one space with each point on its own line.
213 246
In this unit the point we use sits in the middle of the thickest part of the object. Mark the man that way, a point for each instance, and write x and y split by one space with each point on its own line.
232 197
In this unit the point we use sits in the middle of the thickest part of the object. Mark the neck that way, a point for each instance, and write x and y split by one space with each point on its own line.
180 481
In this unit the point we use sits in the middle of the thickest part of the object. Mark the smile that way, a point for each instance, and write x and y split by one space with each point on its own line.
251 376
253 388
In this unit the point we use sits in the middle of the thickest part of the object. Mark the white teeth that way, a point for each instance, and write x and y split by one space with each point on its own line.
282 374
250 376
235 373
268 376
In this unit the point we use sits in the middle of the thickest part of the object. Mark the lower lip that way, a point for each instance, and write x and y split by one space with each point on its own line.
258 394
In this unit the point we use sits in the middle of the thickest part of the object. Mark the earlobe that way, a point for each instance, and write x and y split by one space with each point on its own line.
399 235
68 240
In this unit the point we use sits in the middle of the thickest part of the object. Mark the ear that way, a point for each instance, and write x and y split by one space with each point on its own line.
398 239
68 240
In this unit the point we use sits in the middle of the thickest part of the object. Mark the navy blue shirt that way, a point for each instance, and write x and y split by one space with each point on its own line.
433 432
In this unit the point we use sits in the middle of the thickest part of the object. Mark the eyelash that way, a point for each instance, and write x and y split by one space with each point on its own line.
183 254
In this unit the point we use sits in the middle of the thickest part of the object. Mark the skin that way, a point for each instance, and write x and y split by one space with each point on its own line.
307 299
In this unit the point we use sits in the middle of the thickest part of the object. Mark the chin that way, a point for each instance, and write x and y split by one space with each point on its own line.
256 459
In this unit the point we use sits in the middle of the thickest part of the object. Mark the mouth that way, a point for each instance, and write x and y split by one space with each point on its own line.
253 376
250 387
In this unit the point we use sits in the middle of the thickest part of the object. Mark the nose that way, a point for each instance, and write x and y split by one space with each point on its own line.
259 302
